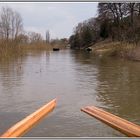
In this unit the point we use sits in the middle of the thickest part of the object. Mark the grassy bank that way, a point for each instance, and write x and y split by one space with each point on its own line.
117 49
9 50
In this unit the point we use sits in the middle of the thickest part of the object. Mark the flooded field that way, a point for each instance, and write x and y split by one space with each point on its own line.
76 79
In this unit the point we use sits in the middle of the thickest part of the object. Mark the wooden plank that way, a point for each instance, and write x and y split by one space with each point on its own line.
128 128
26 124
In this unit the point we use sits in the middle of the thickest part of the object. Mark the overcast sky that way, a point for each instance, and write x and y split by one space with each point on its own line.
58 18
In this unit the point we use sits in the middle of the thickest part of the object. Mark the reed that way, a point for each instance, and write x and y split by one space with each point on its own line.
12 49
120 49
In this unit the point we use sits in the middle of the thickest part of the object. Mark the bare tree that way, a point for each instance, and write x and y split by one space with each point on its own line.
5 22
18 24
10 24
47 37
35 37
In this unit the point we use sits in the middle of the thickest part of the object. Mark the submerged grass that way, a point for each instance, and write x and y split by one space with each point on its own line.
9 50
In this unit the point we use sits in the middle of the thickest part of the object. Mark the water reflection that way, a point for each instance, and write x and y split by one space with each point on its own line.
118 88
11 77
117 84
76 79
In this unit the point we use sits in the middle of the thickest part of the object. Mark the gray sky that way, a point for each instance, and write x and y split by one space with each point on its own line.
58 17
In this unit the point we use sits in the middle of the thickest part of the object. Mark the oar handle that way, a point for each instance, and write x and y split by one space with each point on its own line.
128 128
26 124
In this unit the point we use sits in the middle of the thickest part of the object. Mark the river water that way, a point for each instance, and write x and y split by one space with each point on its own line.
77 79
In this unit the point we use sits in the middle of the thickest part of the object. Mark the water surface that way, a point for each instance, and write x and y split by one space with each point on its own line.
76 79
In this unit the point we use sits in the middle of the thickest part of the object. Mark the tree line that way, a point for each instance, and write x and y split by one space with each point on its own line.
114 21
12 31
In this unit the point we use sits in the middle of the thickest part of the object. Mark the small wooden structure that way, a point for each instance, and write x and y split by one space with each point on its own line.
56 49
26 124
124 126
89 49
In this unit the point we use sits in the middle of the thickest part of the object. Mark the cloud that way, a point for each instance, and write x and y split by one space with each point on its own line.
58 17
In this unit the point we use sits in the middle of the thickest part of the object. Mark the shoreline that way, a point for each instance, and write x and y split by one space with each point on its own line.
129 51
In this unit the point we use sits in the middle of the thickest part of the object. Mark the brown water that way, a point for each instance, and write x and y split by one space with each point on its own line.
76 79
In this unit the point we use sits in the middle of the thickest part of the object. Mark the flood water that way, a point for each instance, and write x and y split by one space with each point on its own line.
76 79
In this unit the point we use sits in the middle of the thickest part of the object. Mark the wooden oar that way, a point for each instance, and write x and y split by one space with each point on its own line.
26 124
128 128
